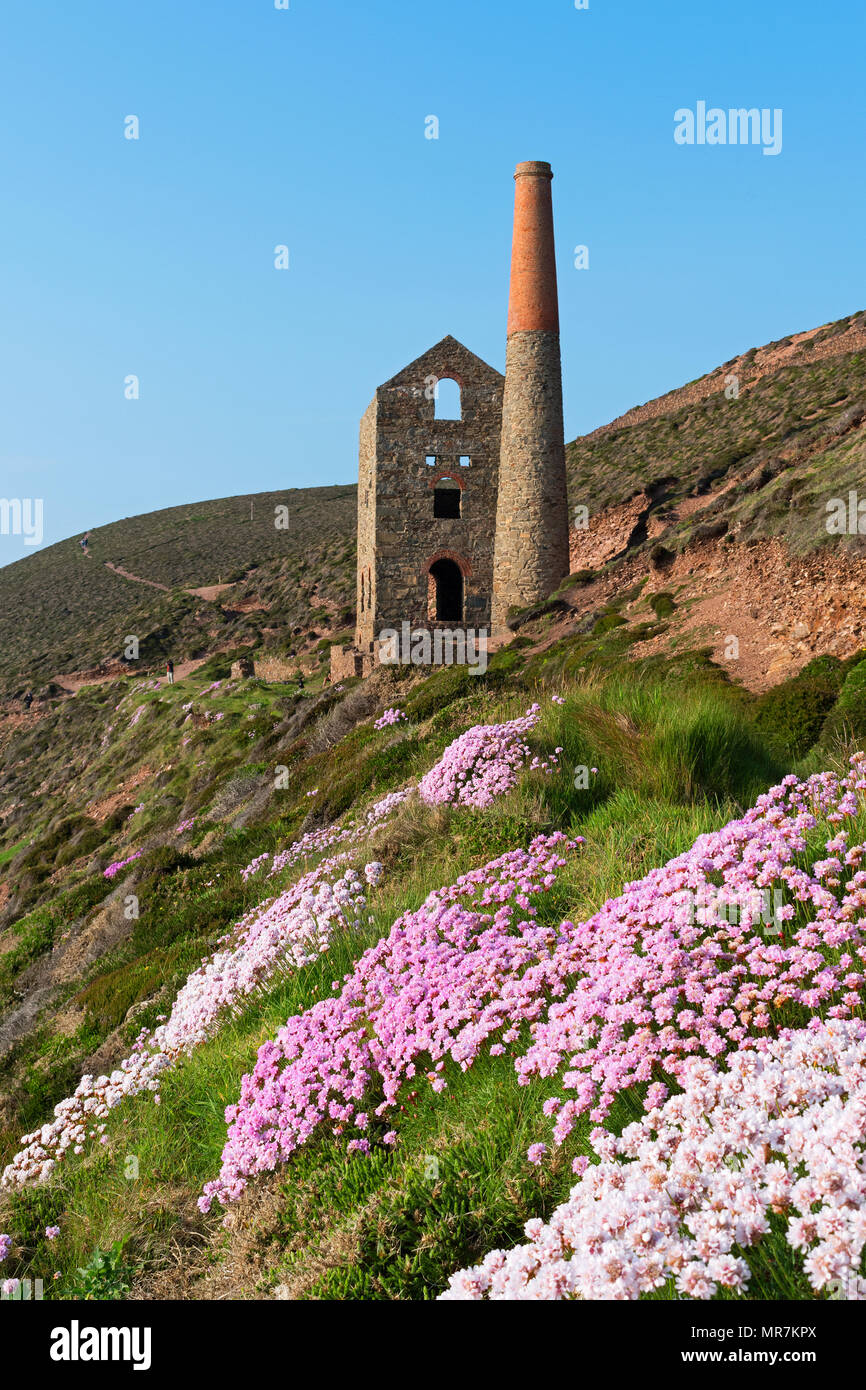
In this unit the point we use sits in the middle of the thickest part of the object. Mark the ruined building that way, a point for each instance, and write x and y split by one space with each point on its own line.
462 511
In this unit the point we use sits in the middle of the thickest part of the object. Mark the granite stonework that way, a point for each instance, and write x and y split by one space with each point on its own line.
496 536
532 542
399 537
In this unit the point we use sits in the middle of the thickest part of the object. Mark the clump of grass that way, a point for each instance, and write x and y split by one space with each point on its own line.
662 604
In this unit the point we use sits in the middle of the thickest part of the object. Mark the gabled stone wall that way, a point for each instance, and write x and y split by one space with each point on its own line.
399 537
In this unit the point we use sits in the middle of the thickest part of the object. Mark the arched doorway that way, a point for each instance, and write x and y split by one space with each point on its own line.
446 592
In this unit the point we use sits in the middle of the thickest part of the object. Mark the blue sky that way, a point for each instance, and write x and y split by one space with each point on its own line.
306 127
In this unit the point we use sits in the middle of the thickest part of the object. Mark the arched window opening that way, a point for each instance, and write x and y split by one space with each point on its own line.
445 594
447 398
446 499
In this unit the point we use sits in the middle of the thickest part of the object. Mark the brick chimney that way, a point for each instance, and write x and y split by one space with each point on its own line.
531 546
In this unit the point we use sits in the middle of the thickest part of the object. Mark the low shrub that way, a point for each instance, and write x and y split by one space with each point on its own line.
847 720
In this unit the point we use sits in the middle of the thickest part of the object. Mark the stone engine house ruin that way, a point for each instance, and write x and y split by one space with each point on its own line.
427 491
462 510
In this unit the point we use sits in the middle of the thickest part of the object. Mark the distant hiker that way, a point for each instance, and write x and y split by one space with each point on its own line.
169 671
300 680
84 542
28 699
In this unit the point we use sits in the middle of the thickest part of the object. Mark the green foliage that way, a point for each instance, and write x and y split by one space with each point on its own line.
577 577
106 1276
847 721
111 995
791 715
439 690
662 604
716 753
607 622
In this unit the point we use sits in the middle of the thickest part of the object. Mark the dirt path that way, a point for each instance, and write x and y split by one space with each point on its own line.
210 592
73 681
136 578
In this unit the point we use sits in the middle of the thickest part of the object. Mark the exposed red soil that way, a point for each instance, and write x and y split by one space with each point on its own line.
782 610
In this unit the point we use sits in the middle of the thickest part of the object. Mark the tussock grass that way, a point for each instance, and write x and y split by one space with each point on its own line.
672 762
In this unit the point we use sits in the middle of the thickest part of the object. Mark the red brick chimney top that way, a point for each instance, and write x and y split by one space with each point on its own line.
533 302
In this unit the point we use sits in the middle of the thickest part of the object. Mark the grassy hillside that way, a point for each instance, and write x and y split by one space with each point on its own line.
793 437
174 892
676 751
61 611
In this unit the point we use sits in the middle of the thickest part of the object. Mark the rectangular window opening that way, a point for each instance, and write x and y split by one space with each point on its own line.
446 502
464 460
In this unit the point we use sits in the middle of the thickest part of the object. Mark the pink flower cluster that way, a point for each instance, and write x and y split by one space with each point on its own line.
479 765
482 764
283 935
391 716
118 864
5 1246
185 825
682 1191
663 976
254 866
316 841
446 979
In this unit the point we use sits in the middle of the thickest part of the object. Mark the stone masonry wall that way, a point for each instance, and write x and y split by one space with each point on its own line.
532 519
366 572
398 536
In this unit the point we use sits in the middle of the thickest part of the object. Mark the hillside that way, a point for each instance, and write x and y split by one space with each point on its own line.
715 507
328 992
798 407
179 812
63 612
669 488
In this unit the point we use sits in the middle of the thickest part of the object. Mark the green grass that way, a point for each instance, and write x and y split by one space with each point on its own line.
672 762
694 447
83 611
678 751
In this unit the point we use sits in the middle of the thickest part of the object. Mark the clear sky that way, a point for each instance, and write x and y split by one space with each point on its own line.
306 127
